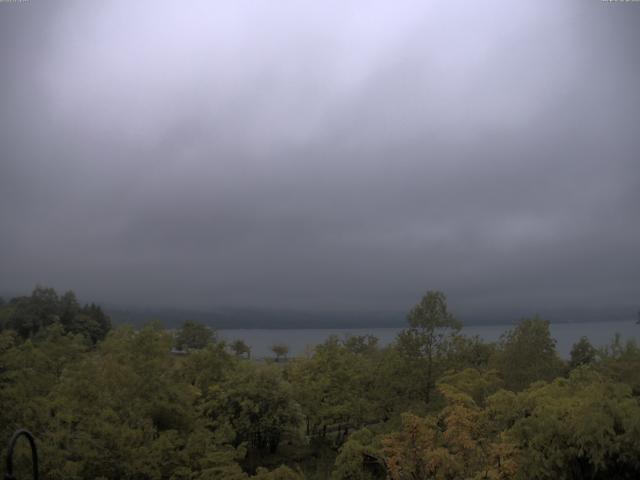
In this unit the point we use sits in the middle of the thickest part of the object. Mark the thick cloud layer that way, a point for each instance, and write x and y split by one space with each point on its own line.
322 154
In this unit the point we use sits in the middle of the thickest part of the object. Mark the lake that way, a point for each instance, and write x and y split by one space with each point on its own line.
301 340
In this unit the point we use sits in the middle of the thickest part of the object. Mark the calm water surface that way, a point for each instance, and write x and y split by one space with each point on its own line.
300 341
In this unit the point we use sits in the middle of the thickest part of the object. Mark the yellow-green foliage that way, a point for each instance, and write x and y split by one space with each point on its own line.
130 408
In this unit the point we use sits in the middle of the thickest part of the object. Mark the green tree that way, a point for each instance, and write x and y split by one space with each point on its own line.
620 361
582 353
124 412
362 344
280 350
30 314
6 314
240 348
583 427
69 308
257 402
193 335
526 354
205 367
475 383
30 371
338 389
281 473
469 352
359 458
91 322
425 343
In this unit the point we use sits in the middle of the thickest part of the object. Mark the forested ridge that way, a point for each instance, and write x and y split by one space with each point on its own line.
150 403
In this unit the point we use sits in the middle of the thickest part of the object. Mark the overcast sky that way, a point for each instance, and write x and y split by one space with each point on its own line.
321 154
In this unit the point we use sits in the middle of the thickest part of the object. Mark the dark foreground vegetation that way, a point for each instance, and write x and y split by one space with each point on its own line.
152 404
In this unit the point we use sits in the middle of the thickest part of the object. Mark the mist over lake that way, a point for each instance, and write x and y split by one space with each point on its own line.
301 341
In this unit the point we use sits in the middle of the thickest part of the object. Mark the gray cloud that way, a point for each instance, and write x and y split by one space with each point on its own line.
322 154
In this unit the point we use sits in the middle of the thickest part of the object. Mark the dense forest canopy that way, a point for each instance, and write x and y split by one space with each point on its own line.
150 403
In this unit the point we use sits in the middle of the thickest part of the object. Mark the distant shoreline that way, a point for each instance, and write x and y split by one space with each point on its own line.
404 325
283 319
